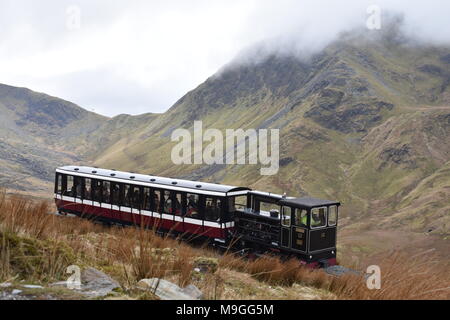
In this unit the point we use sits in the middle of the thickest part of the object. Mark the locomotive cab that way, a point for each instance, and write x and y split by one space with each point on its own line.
301 227
309 227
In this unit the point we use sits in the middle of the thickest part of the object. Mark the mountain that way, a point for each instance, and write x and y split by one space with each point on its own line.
366 120
35 131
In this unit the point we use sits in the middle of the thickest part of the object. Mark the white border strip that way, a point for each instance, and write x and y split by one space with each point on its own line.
156 215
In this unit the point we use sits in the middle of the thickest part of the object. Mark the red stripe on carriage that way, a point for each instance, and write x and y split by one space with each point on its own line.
133 218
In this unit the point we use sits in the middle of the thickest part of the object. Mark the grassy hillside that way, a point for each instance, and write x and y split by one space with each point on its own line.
36 248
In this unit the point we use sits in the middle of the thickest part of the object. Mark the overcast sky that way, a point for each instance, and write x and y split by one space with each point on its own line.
133 57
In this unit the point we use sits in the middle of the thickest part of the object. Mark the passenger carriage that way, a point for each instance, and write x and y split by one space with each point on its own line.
168 204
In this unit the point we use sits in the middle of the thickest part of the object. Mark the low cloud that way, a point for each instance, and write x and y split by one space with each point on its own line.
142 56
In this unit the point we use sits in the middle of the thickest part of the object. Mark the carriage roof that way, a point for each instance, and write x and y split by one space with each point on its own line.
129 177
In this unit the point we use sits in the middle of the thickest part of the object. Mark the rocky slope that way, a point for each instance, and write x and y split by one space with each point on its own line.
35 130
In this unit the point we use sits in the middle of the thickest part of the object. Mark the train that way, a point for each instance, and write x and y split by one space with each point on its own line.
225 216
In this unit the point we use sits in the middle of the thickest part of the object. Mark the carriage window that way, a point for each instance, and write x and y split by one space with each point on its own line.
157 201
286 217
332 215
70 187
301 217
146 199
87 189
179 204
77 185
237 203
135 197
167 202
193 201
97 190
59 185
106 192
212 209
126 195
115 194
318 217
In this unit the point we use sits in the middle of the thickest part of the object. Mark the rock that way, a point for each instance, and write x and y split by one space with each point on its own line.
431 69
16 292
5 285
32 286
193 291
94 283
166 290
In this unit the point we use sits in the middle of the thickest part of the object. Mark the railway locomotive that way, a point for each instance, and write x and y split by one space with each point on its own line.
253 221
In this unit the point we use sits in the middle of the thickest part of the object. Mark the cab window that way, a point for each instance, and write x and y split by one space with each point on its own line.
267 208
332 215
301 218
286 216
318 217
237 203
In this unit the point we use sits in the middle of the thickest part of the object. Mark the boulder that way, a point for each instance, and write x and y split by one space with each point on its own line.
167 290
94 283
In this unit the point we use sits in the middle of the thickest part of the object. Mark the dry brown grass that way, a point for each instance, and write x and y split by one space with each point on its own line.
131 254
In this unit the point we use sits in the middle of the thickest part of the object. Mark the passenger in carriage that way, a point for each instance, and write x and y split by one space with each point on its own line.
87 192
127 199
212 212
72 191
97 191
136 198
168 205
78 190
208 211
177 206
156 202
192 207
106 194
115 194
